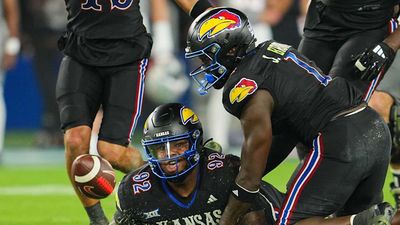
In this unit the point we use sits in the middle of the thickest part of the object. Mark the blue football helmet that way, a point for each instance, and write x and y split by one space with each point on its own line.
219 37
169 127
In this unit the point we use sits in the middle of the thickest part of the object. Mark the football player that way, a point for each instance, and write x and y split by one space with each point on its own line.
335 31
184 182
106 49
274 90
187 181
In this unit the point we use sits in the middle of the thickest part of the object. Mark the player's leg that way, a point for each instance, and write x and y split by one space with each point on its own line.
77 91
380 214
123 158
95 132
321 52
122 104
271 200
336 167
386 102
343 65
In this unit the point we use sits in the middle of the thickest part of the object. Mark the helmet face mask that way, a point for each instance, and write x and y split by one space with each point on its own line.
172 141
210 71
219 37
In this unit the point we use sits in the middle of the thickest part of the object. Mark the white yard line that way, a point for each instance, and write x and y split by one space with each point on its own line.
37 190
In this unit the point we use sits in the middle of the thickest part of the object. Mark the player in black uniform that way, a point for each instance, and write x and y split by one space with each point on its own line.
274 90
335 31
184 182
107 49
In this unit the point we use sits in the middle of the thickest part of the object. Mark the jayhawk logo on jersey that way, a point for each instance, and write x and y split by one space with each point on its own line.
217 23
188 115
242 89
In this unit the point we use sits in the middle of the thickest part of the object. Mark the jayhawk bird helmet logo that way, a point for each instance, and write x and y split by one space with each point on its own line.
242 89
188 115
217 23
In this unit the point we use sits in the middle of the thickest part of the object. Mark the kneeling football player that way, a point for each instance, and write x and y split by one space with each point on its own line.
187 181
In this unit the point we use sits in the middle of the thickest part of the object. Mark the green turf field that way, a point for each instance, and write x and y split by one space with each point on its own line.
36 195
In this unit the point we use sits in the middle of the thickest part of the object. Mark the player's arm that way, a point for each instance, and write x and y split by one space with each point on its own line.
256 125
393 40
194 7
12 44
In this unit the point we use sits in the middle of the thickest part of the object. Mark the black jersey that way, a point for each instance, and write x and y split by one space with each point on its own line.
104 19
105 32
147 199
332 20
359 5
305 100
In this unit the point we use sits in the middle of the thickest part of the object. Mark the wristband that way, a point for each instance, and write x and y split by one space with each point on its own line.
244 195
199 8
12 46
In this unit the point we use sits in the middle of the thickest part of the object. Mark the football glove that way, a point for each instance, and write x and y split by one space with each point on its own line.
373 61
166 80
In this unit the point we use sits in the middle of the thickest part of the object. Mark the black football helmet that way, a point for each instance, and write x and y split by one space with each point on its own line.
166 125
219 37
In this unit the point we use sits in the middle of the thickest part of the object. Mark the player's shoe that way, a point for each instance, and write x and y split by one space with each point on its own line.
99 222
383 214
379 214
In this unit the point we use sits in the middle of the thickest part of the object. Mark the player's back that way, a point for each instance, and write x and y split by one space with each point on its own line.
151 201
305 100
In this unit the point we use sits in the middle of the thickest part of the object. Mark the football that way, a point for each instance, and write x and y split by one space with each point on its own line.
93 176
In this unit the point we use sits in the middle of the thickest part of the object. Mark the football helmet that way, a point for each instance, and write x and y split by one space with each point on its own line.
166 126
219 37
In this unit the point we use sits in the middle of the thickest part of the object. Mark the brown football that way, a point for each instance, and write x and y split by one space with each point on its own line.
93 176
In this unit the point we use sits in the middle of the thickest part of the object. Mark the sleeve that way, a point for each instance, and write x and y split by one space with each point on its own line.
237 93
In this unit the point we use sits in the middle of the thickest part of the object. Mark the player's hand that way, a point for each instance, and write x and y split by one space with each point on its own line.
234 211
166 80
374 61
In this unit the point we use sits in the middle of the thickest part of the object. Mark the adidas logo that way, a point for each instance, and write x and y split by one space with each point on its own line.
211 199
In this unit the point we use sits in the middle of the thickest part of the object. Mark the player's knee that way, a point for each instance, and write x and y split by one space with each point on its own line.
120 157
381 102
77 140
112 153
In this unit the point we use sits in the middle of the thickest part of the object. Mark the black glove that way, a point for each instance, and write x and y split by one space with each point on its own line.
374 60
